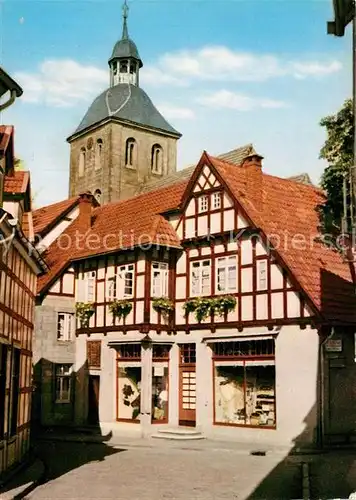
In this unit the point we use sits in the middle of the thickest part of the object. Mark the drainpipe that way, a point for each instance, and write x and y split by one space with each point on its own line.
9 102
322 387
7 84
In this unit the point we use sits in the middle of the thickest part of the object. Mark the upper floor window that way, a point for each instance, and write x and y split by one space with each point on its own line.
262 275
125 281
97 195
114 66
124 66
111 283
63 383
130 153
86 287
226 274
98 154
203 202
216 201
82 159
65 322
157 159
159 279
200 278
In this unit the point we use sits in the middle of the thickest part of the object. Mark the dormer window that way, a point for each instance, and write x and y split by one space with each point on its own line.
130 153
157 159
82 158
203 202
98 154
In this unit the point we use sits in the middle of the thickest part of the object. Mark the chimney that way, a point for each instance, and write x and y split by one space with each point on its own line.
85 210
253 166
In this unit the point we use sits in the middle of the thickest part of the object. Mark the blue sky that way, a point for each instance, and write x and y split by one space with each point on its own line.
224 73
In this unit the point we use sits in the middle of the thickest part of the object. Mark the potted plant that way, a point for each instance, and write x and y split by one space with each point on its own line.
84 311
120 308
224 304
202 308
163 305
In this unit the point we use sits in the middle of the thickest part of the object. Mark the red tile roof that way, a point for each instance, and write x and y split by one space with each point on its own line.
44 218
17 183
287 211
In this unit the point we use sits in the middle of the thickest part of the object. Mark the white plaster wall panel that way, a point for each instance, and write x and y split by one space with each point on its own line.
153 315
68 283
179 231
101 269
55 288
246 279
205 250
296 382
109 316
174 220
234 315
196 188
110 270
100 315
206 170
141 265
181 287
182 263
190 210
129 318
92 321
111 262
215 223
189 228
246 251
232 246
277 305
262 306
193 253
227 201
100 292
203 225
260 248
241 222
293 305
246 308
229 220
140 286
139 312
289 284
180 314
211 178
276 277
219 248
218 319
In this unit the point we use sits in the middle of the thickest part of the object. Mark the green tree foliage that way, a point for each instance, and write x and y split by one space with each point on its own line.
338 152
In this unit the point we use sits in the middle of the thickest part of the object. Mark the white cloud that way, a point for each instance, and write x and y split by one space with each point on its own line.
219 63
62 83
241 102
176 113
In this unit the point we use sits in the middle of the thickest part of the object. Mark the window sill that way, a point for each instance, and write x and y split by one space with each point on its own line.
130 167
58 402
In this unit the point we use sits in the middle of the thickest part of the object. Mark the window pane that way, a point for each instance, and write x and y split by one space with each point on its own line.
129 390
229 394
160 391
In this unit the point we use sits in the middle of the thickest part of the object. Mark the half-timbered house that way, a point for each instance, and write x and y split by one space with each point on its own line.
210 301
20 263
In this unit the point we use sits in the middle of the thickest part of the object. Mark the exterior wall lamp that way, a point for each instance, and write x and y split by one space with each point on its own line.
7 84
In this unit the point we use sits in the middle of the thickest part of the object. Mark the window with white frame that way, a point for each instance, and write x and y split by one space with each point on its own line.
86 287
200 278
65 322
262 275
159 286
111 287
63 383
203 202
125 281
226 274
216 201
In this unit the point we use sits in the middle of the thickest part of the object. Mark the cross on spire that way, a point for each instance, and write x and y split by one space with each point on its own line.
125 15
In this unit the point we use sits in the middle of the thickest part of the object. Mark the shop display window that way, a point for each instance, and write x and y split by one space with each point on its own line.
129 391
160 392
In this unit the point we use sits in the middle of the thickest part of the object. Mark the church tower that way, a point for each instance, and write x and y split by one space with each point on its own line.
123 141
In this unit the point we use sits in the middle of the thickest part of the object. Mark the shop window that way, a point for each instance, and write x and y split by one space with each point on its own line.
65 322
203 203
125 281
216 201
200 278
159 279
244 383
15 391
226 274
262 275
187 354
160 391
3 364
63 381
129 382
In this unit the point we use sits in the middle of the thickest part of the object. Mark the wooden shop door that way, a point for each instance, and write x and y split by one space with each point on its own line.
93 406
187 385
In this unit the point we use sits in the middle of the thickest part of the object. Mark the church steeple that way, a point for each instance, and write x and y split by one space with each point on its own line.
125 61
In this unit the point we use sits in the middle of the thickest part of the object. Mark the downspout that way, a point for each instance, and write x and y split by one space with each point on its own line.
10 101
322 388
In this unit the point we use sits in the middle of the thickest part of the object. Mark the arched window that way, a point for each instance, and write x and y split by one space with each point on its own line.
81 168
123 66
97 195
156 159
98 153
130 153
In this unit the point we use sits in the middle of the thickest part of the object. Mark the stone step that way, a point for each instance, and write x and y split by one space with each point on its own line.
179 434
